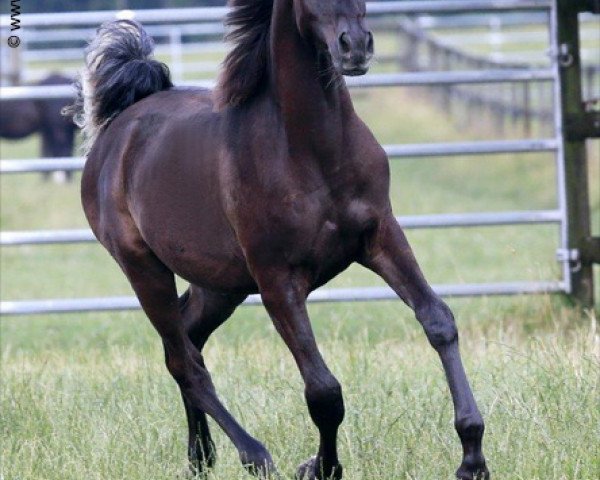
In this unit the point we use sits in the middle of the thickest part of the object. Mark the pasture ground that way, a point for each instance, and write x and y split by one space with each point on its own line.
87 396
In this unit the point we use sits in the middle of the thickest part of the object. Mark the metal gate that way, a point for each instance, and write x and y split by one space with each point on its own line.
577 249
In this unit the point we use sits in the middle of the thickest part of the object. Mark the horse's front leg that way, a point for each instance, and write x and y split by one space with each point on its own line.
284 298
388 254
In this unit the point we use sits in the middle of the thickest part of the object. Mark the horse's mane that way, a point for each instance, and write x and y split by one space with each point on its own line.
245 67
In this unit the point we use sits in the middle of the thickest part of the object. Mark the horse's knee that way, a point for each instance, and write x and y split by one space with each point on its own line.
438 323
325 401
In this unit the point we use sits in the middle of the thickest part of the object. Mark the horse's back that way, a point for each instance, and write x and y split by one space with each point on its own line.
155 172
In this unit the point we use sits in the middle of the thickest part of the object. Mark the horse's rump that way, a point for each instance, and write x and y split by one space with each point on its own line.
165 151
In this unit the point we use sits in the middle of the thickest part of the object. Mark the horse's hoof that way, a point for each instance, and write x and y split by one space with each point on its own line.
197 470
306 471
309 470
473 472
258 462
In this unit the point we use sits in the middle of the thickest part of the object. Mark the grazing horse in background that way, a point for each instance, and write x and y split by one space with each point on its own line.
21 118
271 184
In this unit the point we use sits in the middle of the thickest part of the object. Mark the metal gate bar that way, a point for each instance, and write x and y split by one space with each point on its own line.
323 295
214 14
448 220
34 165
373 80
38 165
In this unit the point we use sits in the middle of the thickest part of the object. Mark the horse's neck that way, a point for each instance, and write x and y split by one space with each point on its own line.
311 109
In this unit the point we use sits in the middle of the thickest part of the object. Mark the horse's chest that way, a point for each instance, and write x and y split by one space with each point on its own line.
319 229
299 215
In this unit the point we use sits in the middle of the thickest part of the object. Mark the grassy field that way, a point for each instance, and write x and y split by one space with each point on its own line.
87 396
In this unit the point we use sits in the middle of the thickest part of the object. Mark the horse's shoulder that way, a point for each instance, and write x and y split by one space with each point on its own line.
363 140
363 183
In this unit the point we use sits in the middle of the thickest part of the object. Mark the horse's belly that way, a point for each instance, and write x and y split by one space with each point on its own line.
177 209
214 272
211 261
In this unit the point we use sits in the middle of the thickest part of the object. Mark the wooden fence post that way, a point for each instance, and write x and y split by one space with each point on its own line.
577 126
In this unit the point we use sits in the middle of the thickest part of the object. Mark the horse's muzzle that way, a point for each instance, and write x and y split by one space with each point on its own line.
356 51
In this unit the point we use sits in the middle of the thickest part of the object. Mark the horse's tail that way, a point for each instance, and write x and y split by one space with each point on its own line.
119 71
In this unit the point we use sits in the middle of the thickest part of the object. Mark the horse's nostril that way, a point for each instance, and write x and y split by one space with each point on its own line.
345 46
370 43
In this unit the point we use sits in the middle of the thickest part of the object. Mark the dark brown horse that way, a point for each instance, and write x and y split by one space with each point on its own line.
268 184
21 118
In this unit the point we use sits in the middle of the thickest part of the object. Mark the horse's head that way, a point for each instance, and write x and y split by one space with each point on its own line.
338 29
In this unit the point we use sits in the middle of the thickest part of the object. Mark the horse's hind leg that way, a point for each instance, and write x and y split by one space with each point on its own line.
203 312
154 285
388 254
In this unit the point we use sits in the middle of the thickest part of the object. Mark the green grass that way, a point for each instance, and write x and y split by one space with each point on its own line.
86 396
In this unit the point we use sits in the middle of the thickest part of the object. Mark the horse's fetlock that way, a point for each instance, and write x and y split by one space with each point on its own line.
325 401
470 427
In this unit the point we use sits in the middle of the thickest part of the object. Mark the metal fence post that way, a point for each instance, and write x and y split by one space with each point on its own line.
176 51
575 129
15 66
